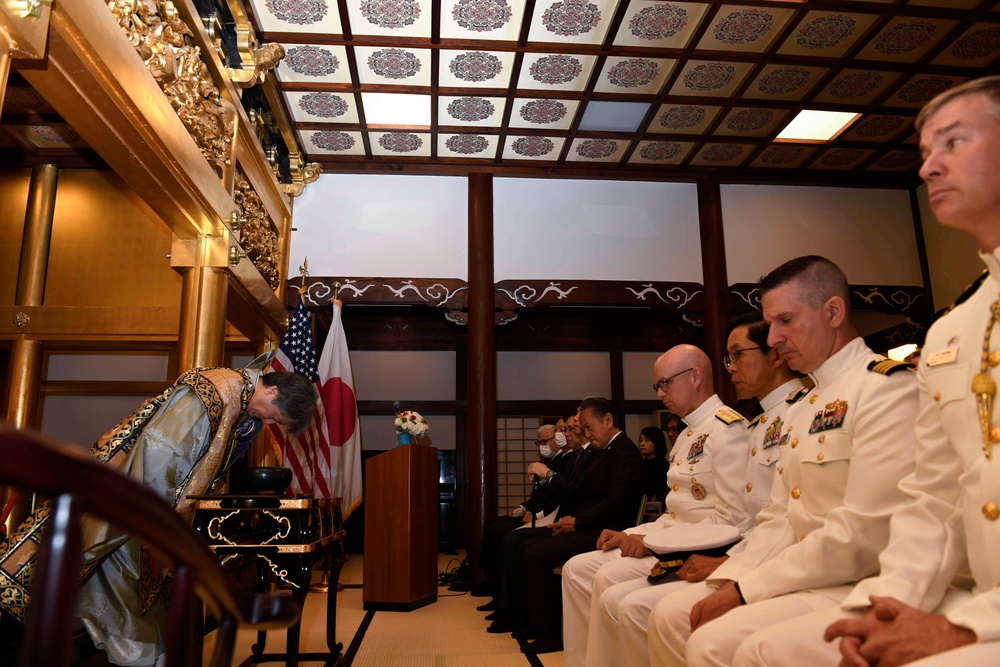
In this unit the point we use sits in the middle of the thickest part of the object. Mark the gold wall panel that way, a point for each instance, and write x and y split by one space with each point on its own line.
13 200
108 247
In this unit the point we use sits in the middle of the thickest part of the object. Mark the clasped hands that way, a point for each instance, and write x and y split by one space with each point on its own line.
630 545
537 470
894 633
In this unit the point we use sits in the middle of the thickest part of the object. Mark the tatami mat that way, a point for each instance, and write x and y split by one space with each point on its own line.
448 633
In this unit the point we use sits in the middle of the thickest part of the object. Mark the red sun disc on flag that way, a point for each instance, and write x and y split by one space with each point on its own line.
341 413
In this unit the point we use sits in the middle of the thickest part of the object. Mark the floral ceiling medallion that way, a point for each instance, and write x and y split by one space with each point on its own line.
596 149
556 69
841 157
391 14
879 126
299 12
744 26
57 134
898 160
394 63
471 109
978 44
721 152
23 98
482 15
749 120
467 144
533 146
825 31
400 142
710 76
542 112
857 84
633 73
324 105
311 61
570 18
660 150
784 80
905 37
658 21
333 141
475 66
782 155
679 118
924 90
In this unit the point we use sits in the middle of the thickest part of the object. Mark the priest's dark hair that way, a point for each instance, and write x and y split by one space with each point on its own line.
296 399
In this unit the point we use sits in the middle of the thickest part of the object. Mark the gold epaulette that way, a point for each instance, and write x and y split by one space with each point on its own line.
728 415
887 366
797 394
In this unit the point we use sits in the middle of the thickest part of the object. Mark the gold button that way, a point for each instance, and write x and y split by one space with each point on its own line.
690 467
673 515
995 358
676 487
995 434
991 511
694 481
937 395
796 493
749 488
753 452
795 441
690 432
819 457
763 419
812 399
822 438
768 459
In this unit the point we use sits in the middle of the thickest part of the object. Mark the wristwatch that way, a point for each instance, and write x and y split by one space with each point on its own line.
549 475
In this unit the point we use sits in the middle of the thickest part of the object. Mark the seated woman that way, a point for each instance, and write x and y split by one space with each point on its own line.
653 448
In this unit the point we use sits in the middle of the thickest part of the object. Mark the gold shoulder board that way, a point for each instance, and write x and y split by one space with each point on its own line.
797 394
728 415
887 366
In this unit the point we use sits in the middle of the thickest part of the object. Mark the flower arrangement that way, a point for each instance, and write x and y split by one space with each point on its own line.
410 422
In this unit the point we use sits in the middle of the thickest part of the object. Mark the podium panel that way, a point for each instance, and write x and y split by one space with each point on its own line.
401 529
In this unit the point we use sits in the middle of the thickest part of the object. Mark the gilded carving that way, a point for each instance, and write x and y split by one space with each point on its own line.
163 41
264 58
256 234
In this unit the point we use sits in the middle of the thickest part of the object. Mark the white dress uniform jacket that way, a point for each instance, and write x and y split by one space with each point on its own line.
849 442
955 510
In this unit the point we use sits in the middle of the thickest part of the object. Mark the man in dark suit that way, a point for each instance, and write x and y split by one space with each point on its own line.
605 495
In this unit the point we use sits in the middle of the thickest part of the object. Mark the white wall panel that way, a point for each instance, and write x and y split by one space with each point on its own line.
108 367
551 376
378 432
382 225
83 419
867 232
595 230
403 375
951 256
638 372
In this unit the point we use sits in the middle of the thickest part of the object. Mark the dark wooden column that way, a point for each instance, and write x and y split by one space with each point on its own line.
925 269
713 264
481 442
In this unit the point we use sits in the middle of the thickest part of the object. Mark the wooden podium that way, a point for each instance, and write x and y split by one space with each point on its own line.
401 529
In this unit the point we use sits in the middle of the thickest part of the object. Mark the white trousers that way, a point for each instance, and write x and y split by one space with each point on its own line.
800 642
584 579
672 644
624 618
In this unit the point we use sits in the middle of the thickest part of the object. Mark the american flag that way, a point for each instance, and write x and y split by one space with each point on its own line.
307 454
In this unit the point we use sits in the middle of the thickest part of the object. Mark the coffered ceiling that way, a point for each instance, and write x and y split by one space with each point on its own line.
617 86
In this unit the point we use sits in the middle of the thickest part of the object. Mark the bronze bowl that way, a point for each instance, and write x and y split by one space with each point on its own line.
254 481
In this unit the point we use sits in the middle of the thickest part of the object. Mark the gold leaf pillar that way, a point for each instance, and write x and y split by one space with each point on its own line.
202 265
25 372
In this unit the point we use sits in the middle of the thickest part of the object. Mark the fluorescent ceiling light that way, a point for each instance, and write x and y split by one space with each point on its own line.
395 109
816 126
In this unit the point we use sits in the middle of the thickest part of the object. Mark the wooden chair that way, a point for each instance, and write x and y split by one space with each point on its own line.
78 484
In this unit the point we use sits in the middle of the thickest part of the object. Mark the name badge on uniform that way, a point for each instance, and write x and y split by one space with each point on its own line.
832 416
773 436
943 357
698 447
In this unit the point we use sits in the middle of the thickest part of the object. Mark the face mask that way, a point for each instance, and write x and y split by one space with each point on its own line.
546 453
560 439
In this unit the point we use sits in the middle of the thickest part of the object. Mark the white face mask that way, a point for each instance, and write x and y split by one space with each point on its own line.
560 439
546 452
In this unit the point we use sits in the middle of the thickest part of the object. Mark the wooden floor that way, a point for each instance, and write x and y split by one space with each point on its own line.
448 633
